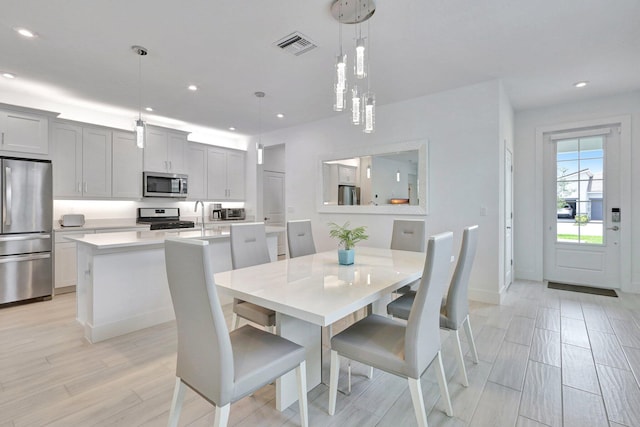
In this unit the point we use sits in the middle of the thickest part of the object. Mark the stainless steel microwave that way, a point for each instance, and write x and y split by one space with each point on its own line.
157 184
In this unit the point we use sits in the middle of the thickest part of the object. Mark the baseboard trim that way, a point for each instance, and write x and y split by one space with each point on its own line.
480 295
97 333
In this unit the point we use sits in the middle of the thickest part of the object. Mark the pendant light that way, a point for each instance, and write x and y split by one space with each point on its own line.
340 85
140 126
362 104
259 146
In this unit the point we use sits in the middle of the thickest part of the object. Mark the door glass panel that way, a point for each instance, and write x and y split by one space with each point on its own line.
580 190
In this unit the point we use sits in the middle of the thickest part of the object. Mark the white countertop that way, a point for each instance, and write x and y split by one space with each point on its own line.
130 239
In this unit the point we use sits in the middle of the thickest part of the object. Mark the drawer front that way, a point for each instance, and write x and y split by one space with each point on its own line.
25 276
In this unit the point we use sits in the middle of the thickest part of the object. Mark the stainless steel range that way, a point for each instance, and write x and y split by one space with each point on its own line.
162 218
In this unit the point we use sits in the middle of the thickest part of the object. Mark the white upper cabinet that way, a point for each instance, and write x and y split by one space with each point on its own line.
126 177
82 161
225 177
164 150
24 132
197 171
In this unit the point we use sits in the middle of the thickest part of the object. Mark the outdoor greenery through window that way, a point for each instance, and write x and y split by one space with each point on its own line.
580 190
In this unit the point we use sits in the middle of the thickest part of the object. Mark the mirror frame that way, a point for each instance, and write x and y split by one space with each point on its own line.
422 146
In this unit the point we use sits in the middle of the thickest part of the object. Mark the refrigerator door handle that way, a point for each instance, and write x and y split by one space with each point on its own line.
7 196
5 260
14 238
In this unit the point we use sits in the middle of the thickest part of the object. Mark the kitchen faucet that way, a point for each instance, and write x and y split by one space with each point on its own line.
195 209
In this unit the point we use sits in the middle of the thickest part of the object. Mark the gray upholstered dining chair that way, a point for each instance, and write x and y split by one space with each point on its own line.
454 310
405 350
220 366
248 248
408 235
300 238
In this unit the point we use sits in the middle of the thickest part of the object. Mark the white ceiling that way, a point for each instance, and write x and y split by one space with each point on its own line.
539 48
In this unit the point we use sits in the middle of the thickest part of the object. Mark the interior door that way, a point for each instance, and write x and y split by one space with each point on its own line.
508 218
273 204
582 189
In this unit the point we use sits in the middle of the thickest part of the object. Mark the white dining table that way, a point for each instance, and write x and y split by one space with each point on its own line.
313 291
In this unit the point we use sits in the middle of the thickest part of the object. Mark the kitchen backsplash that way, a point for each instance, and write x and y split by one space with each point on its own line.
103 209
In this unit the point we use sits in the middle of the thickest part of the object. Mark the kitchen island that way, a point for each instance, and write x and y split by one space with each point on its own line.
122 282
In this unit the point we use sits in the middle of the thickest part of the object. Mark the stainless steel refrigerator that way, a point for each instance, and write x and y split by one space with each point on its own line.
348 195
26 205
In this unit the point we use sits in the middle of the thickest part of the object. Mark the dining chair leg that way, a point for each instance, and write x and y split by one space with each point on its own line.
472 343
460 357
221 416
418 401
442 381
301 376
235 321
176 403
333 381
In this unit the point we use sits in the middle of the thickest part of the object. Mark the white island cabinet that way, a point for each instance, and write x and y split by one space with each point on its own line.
122 282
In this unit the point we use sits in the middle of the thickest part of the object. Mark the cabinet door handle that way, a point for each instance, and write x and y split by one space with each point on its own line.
170 165
86 187
2 138
166 165
79 187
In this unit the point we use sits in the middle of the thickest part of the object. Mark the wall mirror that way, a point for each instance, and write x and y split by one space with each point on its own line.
389 179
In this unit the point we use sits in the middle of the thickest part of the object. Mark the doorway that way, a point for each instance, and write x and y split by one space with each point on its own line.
508 218
582 190
273 192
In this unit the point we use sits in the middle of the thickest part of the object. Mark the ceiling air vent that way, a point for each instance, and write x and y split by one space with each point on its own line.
296 44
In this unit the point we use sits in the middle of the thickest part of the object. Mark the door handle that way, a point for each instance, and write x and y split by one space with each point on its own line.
614 228
8 196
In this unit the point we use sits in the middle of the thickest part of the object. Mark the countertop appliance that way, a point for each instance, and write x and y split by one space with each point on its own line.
232 214
348 195
72 220
162 218
26 206
158 184
216 212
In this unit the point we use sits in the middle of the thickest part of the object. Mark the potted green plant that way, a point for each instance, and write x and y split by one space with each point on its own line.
347 239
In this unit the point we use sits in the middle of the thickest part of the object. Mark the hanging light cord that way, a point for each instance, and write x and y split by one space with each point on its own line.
368 55
139 86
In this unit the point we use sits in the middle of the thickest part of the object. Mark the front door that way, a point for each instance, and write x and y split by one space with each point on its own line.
582 190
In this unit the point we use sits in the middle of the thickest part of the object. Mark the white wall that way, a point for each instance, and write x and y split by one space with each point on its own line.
463 127
529 167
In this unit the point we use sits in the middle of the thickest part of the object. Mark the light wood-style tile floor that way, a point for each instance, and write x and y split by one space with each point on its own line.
547 358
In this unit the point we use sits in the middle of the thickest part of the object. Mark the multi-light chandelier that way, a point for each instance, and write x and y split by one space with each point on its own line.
363 103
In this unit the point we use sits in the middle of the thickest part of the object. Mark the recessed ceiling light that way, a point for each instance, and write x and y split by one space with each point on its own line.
25 33
149 109
232 128
192 87
280 115
8 76
581 84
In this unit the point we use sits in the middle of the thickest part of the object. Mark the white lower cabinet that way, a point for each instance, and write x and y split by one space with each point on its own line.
65 264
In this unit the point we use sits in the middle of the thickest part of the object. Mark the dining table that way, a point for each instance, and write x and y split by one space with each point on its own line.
314 291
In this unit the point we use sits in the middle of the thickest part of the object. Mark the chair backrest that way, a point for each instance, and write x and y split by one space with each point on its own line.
248 245
422 338
300 238
457 307
205 357
408 235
